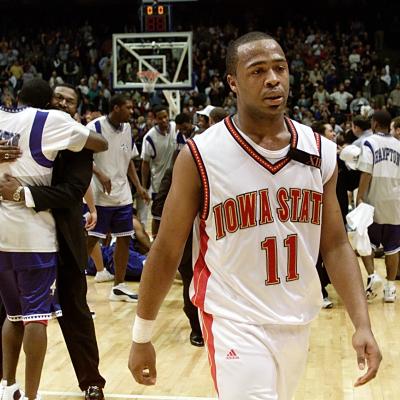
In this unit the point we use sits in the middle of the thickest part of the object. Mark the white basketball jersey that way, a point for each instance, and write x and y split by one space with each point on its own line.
40 134
256 239
114 162
158 150
380 157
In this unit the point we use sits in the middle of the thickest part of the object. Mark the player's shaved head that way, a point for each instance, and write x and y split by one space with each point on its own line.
35 93
118 100
382 118
232 51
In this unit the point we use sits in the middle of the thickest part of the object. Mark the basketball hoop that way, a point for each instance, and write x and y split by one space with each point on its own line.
149 79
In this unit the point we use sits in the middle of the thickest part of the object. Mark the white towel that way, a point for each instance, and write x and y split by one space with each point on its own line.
350 155
359 220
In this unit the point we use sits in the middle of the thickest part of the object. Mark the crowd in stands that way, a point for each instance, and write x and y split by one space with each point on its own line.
333 72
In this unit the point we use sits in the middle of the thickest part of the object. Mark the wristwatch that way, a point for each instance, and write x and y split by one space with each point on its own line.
17 194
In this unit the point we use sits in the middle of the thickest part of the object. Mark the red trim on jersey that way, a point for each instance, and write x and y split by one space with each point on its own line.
203 177
273 168
209 339
318 141
201 273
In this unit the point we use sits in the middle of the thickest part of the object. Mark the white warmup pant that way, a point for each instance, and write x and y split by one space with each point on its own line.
255 362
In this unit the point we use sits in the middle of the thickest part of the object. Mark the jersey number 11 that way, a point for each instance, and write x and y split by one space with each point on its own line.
269 245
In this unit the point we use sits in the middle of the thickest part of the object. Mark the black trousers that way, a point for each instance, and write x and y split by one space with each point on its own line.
186 271
77 323
189 309
3 316
323 276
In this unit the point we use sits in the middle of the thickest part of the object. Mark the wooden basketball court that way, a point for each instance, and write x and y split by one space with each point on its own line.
183 371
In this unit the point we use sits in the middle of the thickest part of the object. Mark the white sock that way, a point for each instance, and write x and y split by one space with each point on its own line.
391 284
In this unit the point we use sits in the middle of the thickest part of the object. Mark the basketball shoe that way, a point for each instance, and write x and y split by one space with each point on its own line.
326 303
374 282
103 276
3 384
389 293
11 392
121 292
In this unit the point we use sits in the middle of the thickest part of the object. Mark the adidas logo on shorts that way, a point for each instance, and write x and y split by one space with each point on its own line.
232 355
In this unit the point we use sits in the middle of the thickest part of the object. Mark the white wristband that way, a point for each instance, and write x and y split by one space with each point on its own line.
142 330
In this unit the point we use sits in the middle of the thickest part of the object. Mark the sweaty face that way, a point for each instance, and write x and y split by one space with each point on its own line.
185 129
65 99
125 111
162 120
261 81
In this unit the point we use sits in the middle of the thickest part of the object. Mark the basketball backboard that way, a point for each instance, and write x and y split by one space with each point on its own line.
169 54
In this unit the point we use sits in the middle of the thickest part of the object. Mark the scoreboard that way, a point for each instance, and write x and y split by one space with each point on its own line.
156 17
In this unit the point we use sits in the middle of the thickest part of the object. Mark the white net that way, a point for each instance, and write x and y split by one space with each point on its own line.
149 79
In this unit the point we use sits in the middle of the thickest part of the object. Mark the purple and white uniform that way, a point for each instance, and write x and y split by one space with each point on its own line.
380 157
114 210
28 238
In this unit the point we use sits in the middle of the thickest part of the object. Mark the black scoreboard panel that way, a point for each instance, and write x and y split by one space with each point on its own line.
156 18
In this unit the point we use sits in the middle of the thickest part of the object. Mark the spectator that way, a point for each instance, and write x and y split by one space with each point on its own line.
341 98
55 80
394 101
357 103
321 94
215 91
395 128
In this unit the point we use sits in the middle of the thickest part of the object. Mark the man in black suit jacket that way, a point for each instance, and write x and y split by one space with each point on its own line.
72 173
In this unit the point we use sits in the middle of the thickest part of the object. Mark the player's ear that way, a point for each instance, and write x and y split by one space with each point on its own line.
231 82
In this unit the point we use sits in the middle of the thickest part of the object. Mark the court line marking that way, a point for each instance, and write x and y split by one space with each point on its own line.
125 396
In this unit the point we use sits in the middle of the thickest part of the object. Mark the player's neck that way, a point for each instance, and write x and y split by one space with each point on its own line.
382 132
163 131
114 121
261 127
270 133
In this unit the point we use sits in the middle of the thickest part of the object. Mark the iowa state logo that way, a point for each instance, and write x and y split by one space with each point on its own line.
255 208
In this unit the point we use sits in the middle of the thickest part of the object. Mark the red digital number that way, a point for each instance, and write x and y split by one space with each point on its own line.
155 23
161 23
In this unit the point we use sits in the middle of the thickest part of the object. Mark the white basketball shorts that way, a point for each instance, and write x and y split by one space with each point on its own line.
255 362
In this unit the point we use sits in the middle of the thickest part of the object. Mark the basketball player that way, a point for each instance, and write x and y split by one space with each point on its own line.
361 128
186 130
28 242
379 187
159 145
260 189
71 176
111 189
